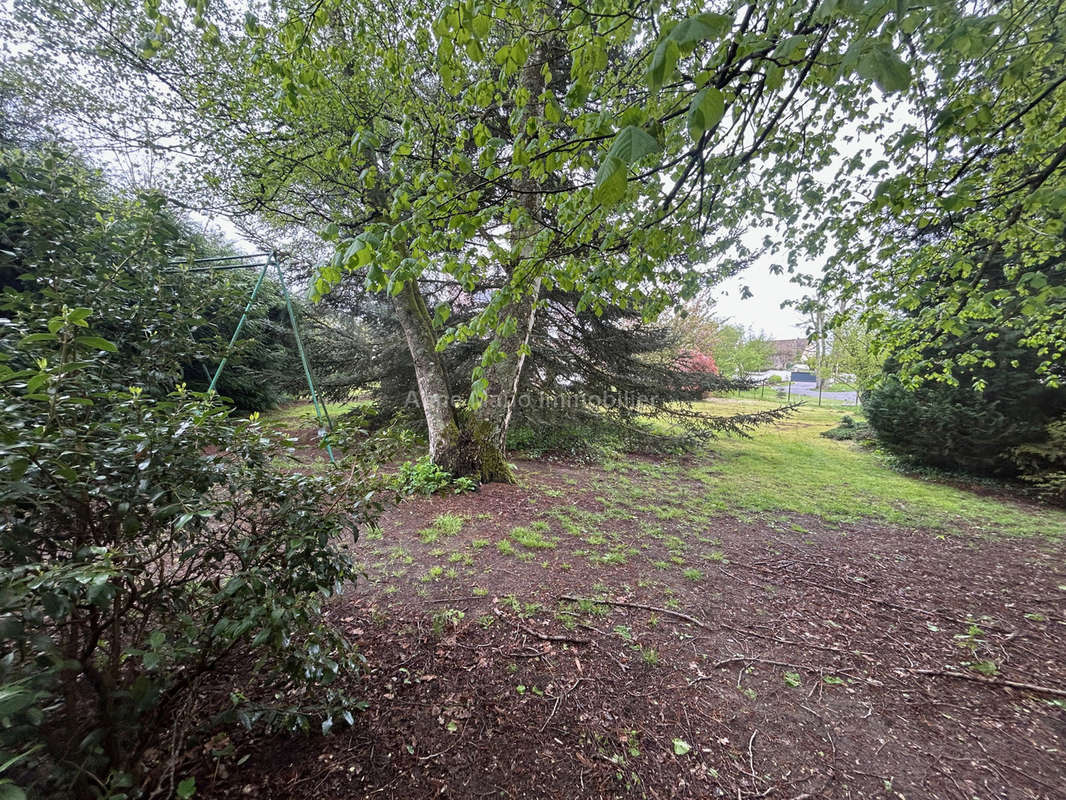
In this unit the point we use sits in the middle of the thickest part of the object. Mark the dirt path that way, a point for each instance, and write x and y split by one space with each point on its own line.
762 657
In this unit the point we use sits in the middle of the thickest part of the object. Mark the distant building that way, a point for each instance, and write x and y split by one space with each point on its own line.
787 352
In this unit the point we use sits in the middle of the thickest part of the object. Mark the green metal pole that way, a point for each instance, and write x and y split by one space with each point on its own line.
320 408
240 324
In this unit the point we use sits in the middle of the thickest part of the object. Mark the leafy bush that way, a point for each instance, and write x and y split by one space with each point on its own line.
851 430
66 236
146 546
959 428
1043 464
425 477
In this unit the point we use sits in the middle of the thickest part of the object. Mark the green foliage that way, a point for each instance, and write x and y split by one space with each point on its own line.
738 351
66 238
425 477
532 537
1043 463
959 428
959 212
584 441
146 545
851 430
443 525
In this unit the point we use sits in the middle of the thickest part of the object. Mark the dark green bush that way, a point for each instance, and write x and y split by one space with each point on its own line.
158 574
66 237
148 547
1043 464
851 430
959 428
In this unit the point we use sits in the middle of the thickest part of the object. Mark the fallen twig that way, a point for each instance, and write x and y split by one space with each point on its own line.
666 611
925 612
949 673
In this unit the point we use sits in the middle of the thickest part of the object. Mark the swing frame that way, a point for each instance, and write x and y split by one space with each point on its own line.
263 262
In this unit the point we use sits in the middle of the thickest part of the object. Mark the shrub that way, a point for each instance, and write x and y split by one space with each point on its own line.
851 430
425 477
66 236
958 428
1043 464
147 545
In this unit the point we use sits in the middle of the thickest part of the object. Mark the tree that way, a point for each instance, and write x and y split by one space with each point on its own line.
514 148
739 352
962 203
856 353
483 161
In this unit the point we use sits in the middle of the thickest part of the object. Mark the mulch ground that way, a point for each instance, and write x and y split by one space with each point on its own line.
800 660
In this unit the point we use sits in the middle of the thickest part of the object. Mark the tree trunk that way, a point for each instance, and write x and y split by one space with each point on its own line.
494 414
441 420
457 443
503 377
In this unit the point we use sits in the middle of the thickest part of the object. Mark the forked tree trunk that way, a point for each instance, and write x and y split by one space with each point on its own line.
475 444
458 443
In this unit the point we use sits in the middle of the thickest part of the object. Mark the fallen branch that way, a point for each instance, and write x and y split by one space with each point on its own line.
544 637
707 627
949 673
666 611
925 612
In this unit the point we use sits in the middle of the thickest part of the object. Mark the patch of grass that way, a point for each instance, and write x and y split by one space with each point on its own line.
302 414
443 525
532 537
505 547
432 574
790 468
693 574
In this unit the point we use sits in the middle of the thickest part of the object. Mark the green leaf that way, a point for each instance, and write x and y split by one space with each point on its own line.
633 143
14 699
79 315
33 338
884 67
96 343
9 791
681 747
186 789
663 63
610 181
706 111
701 27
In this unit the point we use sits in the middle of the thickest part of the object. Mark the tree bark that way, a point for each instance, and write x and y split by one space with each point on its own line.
503 377
458 443
433 390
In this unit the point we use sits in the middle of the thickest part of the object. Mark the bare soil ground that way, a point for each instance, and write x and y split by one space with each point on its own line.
628 642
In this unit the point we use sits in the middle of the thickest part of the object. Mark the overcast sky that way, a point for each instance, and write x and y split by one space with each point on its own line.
761 312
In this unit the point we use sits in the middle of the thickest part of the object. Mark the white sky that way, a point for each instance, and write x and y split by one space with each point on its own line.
762 312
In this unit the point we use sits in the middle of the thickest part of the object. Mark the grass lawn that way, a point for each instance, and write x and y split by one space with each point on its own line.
790 467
